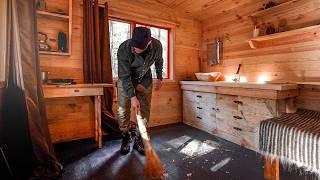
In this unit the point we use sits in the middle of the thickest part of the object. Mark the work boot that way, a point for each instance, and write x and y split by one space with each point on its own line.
125 146
138 145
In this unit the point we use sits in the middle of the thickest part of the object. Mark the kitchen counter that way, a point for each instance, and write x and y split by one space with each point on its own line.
250 85
233 111
248 89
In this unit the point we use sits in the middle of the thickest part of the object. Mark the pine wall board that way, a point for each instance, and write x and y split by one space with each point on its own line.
295 58
72 118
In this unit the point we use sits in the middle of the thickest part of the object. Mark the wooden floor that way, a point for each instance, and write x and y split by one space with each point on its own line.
186 152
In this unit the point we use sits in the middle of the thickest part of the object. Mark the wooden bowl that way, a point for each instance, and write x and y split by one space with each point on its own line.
212 76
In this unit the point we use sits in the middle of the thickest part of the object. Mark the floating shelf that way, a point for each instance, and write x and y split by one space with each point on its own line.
55 53
277 8
253 42
53 15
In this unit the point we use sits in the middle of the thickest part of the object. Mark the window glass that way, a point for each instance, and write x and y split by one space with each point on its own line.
119 32
162 35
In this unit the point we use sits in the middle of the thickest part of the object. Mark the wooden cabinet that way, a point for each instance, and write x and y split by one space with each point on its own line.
199 110
233 111
231 117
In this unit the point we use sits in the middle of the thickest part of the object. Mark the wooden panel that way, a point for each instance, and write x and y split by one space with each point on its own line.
234 118
309 98
70 118
287 58
166 104
71 92
274 62
271 169
199 110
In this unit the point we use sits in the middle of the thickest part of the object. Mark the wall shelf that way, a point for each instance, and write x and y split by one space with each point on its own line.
55 53
278 8
53 15
311 29
52 23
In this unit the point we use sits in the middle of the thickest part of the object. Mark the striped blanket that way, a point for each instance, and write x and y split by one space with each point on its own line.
293 138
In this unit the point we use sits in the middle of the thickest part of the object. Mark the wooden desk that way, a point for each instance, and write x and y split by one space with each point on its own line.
78 90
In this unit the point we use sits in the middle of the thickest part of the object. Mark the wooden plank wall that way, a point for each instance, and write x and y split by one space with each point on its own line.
71 118
298 61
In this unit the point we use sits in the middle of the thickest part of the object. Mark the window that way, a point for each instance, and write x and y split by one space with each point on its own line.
3 42
121 31
162 35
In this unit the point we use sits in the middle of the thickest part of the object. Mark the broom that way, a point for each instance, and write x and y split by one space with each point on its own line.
153 168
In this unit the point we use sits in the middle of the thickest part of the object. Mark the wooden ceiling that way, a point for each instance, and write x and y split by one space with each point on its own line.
203 9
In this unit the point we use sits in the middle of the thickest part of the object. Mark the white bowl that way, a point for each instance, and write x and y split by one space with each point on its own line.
212 76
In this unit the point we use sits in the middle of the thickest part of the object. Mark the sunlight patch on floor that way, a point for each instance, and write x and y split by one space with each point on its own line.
197 148
219 165
178 142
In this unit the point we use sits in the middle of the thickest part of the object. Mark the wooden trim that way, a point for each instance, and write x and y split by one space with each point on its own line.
116 13
311 29
97 85
54 15
271 169
257 93
290 106
55 53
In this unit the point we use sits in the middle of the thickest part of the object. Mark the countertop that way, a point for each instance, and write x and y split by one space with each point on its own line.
249 85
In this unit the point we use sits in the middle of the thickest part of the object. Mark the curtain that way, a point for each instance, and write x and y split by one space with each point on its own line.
27 139
97 59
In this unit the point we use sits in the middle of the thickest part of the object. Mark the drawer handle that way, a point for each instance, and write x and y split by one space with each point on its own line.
199 117
76 90
237 117
238 129
199 96
238 102
216 109
199 107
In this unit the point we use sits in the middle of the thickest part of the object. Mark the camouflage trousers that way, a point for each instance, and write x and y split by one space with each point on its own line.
124 110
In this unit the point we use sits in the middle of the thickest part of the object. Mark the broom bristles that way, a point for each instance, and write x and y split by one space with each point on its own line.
153 168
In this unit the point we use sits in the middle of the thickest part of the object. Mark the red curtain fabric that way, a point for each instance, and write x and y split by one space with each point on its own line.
97 58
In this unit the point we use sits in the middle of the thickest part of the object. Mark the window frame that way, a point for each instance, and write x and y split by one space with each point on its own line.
168 43
133 24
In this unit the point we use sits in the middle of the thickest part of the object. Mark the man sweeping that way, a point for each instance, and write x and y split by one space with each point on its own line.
135 57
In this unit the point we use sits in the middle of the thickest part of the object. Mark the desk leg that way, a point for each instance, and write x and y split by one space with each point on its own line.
97 110
271 169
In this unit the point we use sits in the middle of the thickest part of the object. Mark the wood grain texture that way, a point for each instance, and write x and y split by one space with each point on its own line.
71 118
294 58
274 62
229 114
271 169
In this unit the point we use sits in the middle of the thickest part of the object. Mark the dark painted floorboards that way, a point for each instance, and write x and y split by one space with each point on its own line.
187 153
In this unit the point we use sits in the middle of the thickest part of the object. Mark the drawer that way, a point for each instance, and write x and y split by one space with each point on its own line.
226 102
71 92
199 97
266 108
245 136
